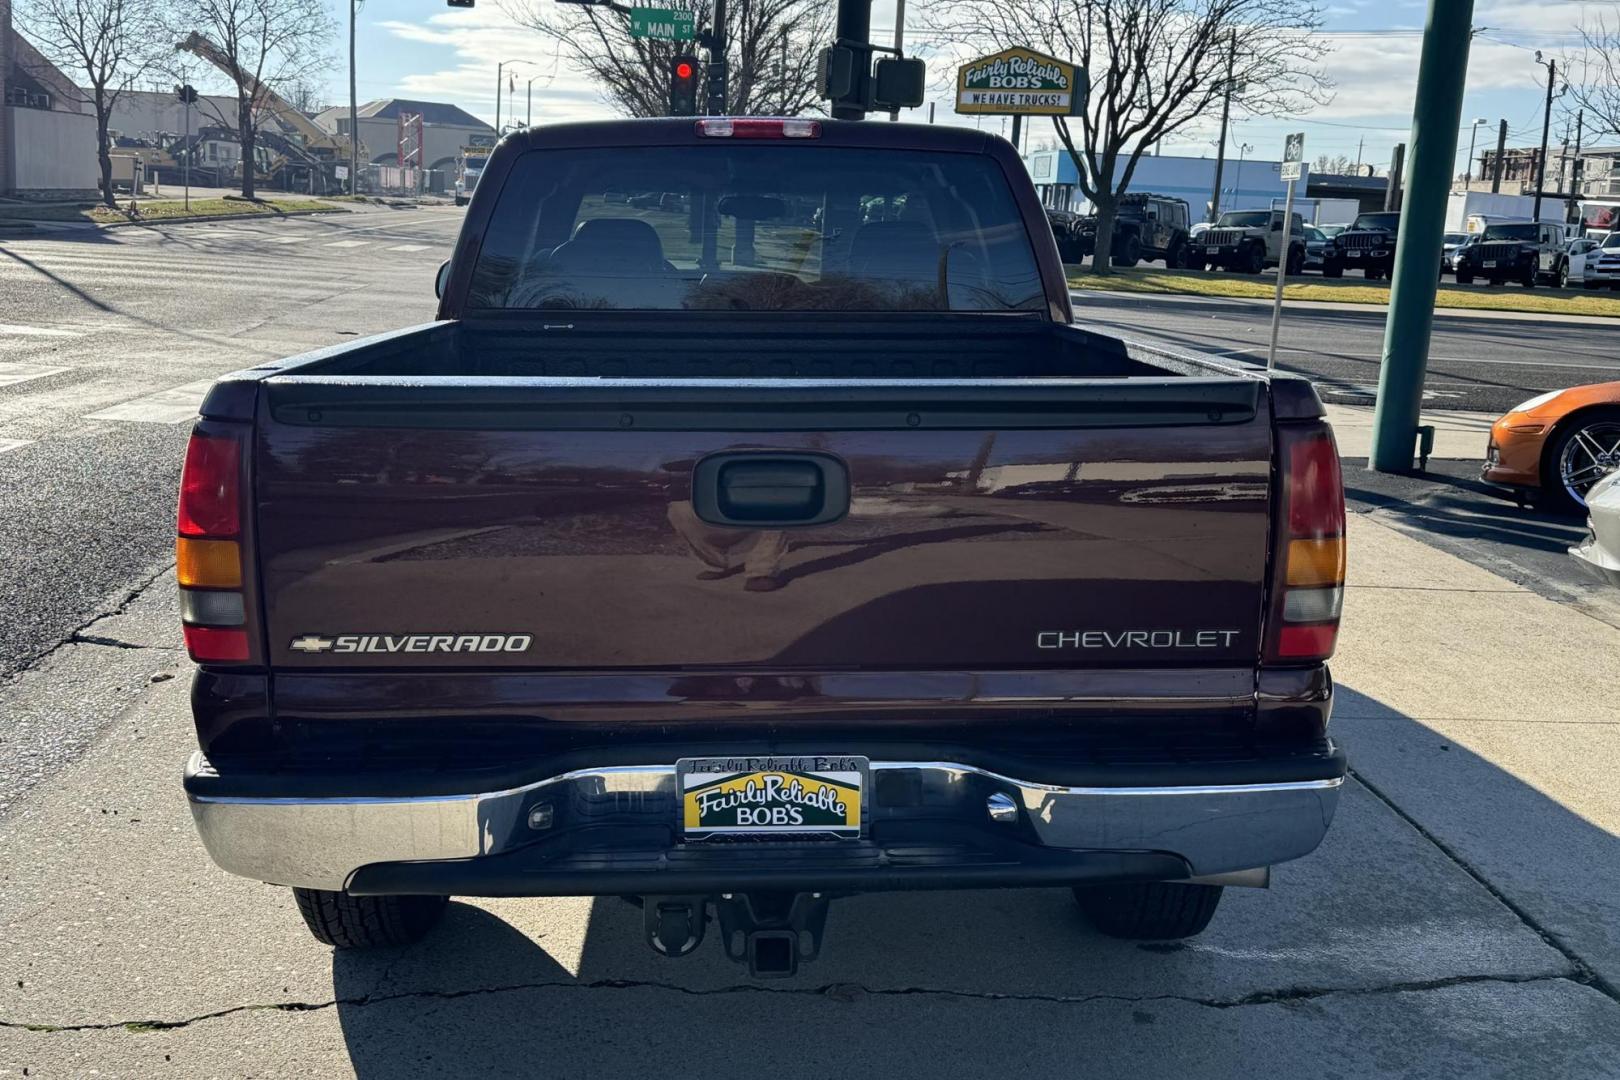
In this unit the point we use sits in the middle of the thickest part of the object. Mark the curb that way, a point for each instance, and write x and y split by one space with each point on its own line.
1326 305
35 223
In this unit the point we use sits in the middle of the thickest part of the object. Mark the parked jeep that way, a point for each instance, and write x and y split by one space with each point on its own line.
1251 240
1369 243
1527 252
1064 223
1147 227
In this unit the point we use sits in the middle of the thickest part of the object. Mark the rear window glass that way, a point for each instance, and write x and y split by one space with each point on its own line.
1378 221
1254 219
756 228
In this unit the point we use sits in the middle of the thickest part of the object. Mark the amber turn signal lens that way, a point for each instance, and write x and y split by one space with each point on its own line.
209 564
1316 562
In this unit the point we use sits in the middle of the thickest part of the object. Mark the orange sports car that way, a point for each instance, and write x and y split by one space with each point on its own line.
1560 443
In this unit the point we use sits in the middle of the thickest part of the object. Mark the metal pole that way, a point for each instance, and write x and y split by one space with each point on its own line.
499 89
855 25
1220 152
1546 124
930 112
1473 131
900 48
1282 272
1392 189
1576 170
1501 155
1435 119
354 110
186 164
1018 130
528 115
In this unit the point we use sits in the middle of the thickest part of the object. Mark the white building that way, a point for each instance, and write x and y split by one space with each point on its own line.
47 133
445 130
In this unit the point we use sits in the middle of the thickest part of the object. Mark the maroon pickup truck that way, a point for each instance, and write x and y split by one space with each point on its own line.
756 527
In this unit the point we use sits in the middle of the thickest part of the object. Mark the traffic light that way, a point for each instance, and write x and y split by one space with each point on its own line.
683 86
187 94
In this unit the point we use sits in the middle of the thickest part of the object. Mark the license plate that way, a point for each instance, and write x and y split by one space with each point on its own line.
1213 249
1489 264
1353 254
765 796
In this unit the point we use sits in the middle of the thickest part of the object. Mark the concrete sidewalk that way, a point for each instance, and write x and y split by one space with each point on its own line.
1457 435
1462 919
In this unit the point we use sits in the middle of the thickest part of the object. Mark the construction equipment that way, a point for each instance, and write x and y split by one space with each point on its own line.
302 150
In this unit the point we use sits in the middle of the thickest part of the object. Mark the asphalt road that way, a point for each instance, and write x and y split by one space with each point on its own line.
108 339
1484 364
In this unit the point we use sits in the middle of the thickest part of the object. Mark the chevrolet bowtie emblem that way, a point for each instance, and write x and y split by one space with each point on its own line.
311 643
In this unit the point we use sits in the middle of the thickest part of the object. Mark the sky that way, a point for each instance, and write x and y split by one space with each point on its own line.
426 50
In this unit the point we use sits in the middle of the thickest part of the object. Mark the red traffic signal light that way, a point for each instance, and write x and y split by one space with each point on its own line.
683 86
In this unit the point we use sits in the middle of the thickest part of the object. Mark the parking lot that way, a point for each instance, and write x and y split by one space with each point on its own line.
1462 919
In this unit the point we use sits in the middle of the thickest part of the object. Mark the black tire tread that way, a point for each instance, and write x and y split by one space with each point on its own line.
367 922
1149 910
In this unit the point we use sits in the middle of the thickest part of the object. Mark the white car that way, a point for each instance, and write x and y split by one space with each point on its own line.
1600 554
1591 261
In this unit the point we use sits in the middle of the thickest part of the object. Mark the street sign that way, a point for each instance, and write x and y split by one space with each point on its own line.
1293 162
663 24
1020 82
1293 170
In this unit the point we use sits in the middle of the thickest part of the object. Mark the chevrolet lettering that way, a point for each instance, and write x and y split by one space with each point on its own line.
1135 639
783 537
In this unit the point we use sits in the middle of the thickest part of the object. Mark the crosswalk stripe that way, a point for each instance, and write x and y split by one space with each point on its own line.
12 373
347 243
13 444
170 406
18 330
409 247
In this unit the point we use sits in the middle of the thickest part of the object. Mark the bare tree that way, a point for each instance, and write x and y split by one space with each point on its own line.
109 43
1155 66
771 52
257 44
1593 73
1335 164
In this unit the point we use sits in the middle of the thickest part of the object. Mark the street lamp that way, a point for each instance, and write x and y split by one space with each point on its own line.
500 89
1473 131
1237 185
528 90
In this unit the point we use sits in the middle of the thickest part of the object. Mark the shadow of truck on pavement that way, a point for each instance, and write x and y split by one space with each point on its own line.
966 984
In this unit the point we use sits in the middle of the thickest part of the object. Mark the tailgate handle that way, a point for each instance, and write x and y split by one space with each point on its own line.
766 489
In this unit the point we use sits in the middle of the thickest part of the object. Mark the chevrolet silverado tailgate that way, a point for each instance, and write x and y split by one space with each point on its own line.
611 524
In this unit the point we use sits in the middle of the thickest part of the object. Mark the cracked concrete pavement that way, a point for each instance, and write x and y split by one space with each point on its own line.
1459 920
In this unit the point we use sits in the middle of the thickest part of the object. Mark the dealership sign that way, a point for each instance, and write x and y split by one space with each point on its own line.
1020 81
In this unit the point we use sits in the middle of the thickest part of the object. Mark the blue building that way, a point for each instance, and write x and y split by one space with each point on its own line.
1246 184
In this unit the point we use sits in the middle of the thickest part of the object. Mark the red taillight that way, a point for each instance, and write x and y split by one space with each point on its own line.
1308 581
211 487
727 127
209 553
209 644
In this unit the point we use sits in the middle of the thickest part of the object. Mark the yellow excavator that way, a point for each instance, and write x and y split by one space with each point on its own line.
299 145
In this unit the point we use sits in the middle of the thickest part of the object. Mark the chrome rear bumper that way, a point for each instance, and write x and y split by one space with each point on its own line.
321 842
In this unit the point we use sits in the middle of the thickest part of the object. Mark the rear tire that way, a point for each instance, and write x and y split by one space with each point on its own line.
1254 259
1296 262
367 922
1149 910
1176 257
1130 252
1563 275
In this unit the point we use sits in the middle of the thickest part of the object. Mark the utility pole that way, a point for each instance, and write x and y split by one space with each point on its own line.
1546 125
1575 172
1360 143
354 110
1436 119
900 50
1392 191
1473 131
1226 115
1501 157
528 117
854 26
